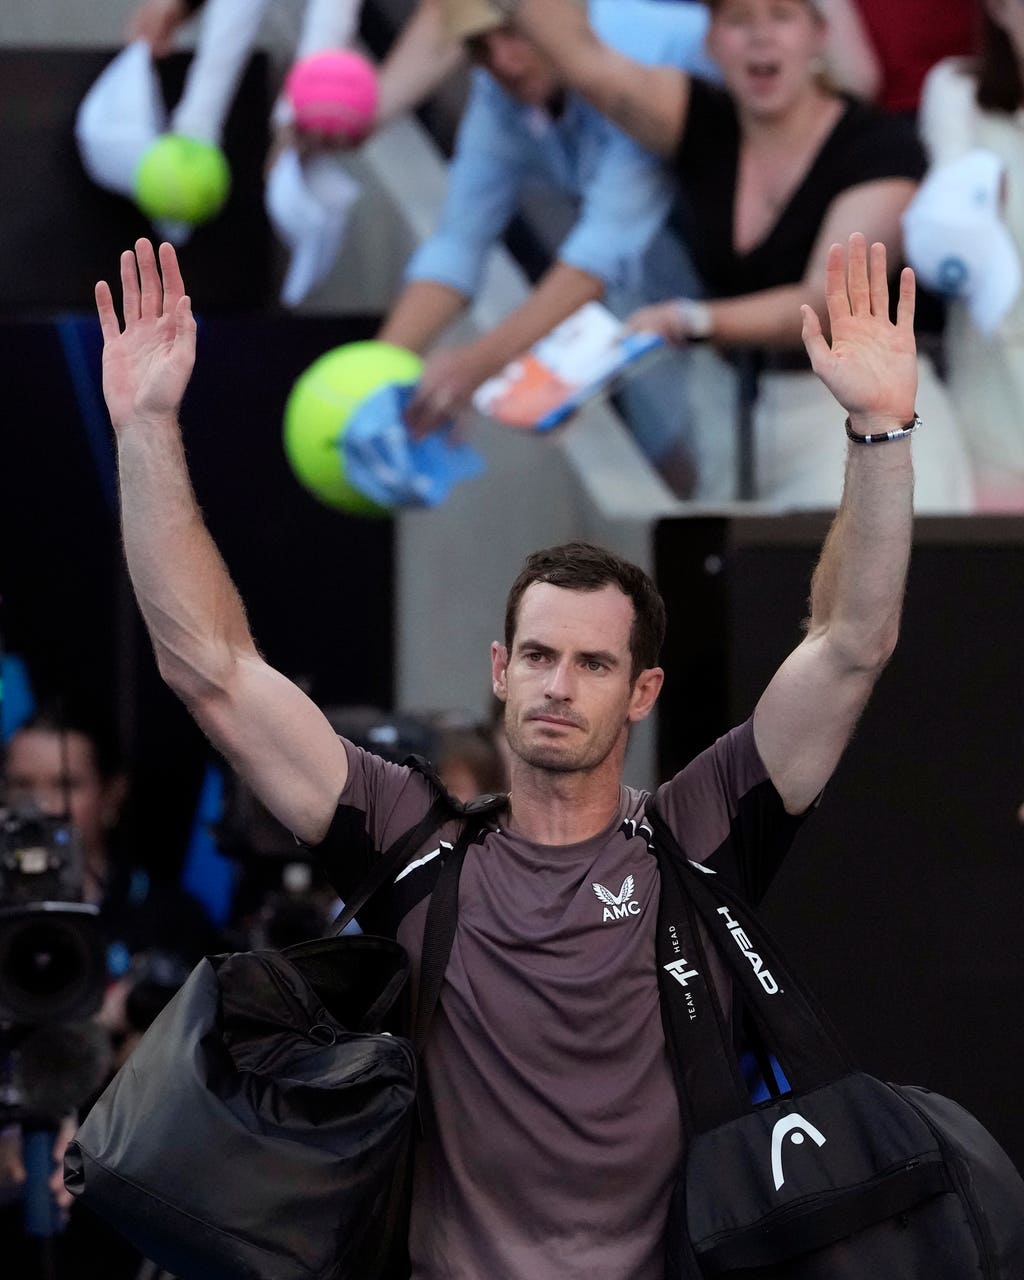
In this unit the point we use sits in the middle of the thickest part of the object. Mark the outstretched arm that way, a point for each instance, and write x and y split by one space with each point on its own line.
772 317
647 102
418 63
850 57
805 717
266 727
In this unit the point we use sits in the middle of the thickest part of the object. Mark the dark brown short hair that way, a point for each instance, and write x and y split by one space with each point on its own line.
581 566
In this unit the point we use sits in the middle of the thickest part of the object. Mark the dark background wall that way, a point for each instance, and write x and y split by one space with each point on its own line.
317 584
901 900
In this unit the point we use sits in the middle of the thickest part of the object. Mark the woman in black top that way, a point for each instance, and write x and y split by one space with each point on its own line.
776 167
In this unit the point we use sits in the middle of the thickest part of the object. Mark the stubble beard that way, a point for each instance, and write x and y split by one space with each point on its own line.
556 757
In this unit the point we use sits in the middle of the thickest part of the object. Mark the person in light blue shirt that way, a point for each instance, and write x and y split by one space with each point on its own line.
521 125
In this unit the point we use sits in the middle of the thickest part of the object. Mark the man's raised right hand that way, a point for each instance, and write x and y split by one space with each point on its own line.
146 367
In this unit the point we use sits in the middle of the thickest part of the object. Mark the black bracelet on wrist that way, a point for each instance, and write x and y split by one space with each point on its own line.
883 437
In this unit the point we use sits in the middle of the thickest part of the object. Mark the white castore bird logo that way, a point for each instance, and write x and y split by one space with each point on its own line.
616 906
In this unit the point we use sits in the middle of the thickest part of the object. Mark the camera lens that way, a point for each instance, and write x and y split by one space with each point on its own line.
51 966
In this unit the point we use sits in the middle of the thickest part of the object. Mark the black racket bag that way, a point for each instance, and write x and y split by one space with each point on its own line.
839 1177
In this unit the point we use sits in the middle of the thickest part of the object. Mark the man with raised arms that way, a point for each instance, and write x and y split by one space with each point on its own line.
558 1133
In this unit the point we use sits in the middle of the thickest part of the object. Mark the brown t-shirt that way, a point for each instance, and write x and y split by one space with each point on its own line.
558 1130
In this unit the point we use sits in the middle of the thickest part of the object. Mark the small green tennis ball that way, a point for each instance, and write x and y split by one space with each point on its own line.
318 410
181 179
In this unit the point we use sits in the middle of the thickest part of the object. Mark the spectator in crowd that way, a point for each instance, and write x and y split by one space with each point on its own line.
67 767
970 104
64 769
470 763
522 124
777 167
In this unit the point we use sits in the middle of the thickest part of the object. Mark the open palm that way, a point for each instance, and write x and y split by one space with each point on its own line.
871 365
146 367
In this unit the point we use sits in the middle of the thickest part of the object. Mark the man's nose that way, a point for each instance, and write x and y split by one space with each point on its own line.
560 683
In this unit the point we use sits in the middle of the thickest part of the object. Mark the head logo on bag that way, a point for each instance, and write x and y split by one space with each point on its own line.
795 1126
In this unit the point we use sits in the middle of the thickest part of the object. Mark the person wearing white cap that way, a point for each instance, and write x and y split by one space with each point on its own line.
967 228
777 166
522 127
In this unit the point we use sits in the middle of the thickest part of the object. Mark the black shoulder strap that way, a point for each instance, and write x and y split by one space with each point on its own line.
793 1024
442 913
390 862
443 909
439 931
384 869
707 1075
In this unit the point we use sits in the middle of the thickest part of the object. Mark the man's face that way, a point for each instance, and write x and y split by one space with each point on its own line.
517 65
57 772
566 684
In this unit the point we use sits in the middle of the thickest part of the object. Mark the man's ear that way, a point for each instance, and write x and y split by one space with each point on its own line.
499 669
646 688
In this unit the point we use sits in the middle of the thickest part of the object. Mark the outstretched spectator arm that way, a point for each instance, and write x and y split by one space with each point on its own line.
420 60
853 64
450 376
626 200
771 317
805 717
266 727
227 37
647 102
424 309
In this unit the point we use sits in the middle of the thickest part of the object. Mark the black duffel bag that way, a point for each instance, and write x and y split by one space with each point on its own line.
257 1125
842 1176
262 1128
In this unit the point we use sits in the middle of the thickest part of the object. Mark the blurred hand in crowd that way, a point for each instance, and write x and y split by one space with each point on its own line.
445 389
662 318
157 22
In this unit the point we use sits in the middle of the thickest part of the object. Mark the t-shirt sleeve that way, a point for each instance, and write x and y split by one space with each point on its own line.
626 201
485 178
380 802
710 130
724 810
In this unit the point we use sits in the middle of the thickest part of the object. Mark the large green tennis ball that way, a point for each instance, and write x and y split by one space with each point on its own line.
318 410
181 179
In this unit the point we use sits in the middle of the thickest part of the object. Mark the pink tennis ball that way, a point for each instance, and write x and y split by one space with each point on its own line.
333 93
